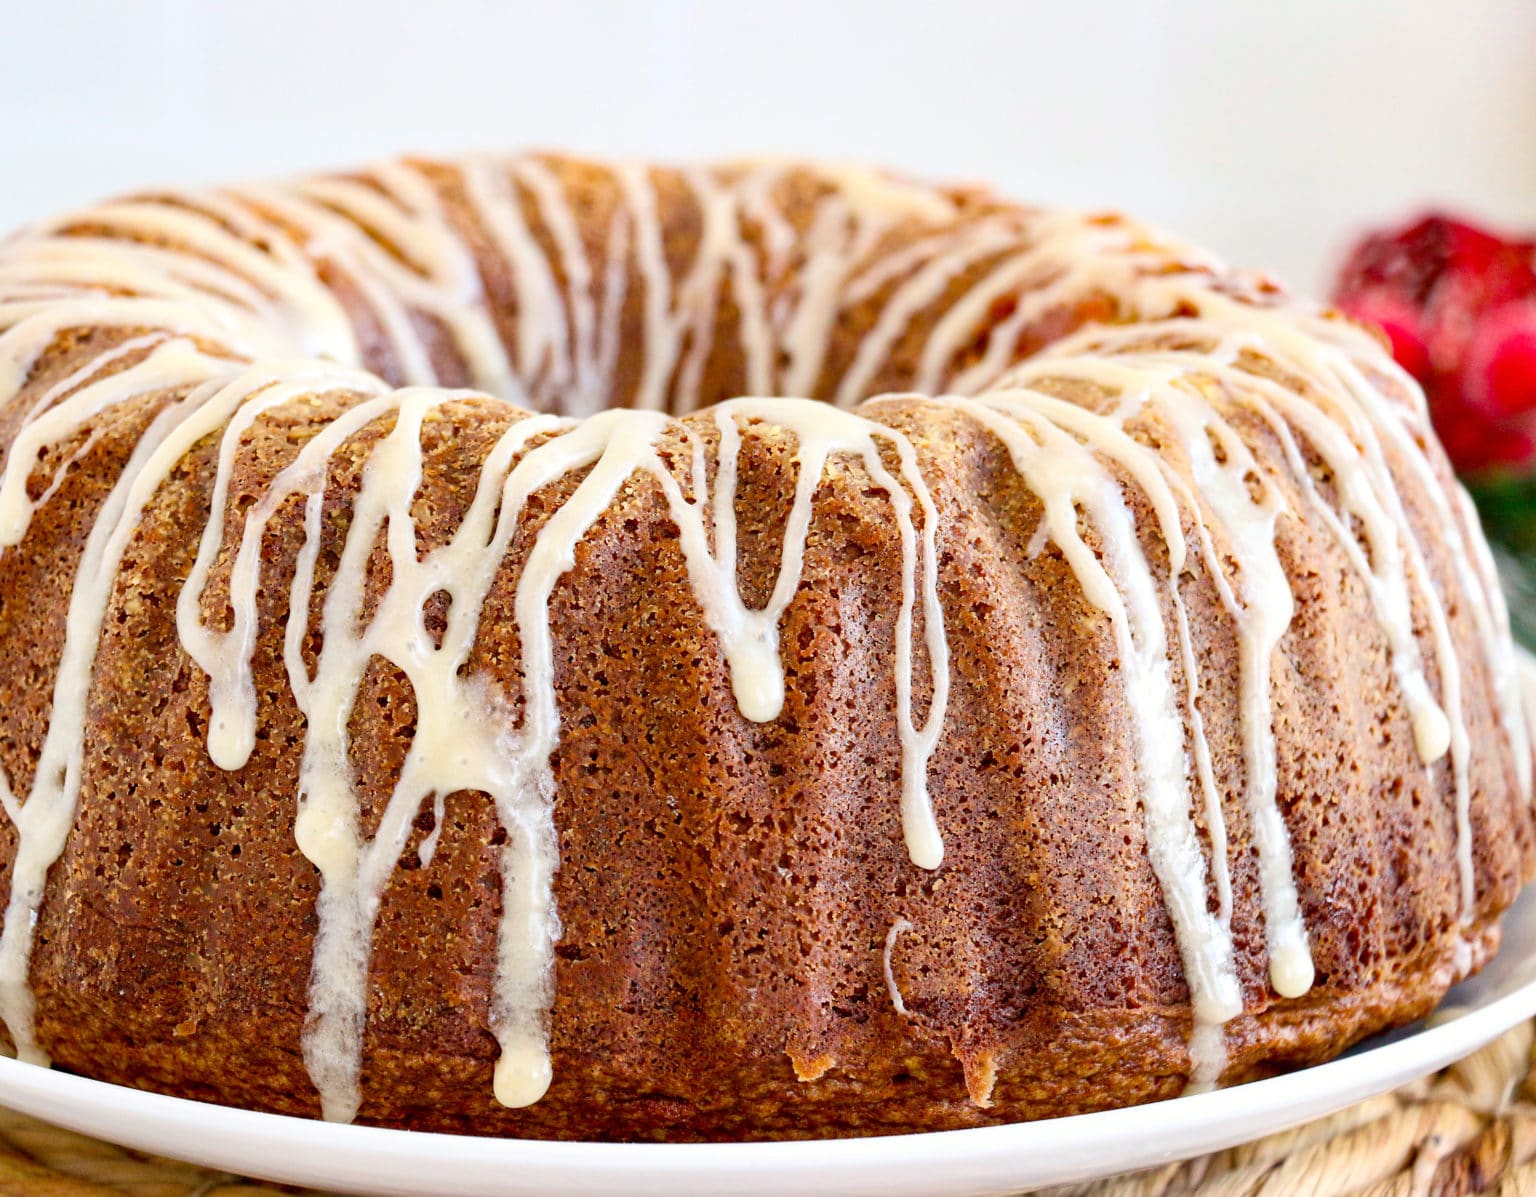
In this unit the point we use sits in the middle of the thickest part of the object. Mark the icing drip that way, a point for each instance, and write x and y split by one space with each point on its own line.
925 287
728 252
1262 611
576 268
463 739
16 508
1386 550
543 349
1258 599
461 742
392 289
1510 674
749 638
1116 578
898 928
442 277
790 317
1347 419
27 332
43 822
311 319
67 269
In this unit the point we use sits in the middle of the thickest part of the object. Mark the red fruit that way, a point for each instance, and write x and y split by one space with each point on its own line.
1397 318
1406 263
1468 293
1477 444
1411 262
1498 373
1458 305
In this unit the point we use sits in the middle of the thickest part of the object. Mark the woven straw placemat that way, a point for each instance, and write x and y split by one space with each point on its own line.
1469 1129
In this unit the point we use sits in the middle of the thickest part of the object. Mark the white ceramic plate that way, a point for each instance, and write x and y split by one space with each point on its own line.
965 1163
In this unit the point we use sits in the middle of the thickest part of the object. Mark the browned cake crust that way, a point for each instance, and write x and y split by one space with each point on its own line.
729 891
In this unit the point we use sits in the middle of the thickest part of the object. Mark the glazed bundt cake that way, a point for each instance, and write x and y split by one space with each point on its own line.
430 694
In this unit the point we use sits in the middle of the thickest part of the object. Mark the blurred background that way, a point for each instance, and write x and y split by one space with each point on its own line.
1269 131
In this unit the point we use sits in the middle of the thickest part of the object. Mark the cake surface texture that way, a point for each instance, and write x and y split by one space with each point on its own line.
445 683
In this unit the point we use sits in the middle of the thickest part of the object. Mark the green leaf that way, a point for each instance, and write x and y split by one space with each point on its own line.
1507 505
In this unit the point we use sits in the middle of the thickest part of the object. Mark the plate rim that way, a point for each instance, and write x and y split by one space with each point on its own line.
292 1150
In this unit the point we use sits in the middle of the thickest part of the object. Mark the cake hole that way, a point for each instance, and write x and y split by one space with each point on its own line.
434 615
1218 449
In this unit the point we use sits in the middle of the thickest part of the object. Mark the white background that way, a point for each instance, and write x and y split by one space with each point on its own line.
1269 131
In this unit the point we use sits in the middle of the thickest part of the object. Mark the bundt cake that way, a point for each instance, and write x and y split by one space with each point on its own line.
430 694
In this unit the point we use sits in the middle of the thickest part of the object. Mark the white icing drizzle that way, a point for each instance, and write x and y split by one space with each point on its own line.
924 288
1385 552
615 291
407 210
1347 419
584 396
663 325
749 638
310 317
49 399
58 269
543 342
196 286
27 331
43 822
1258 598
1067 477
167 365
1509 672
794 316
898 928
727 252
383 281
462 739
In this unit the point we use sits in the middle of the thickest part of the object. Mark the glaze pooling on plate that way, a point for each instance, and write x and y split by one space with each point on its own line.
231 300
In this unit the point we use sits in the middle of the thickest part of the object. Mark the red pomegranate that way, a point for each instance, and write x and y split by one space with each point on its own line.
1458 305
